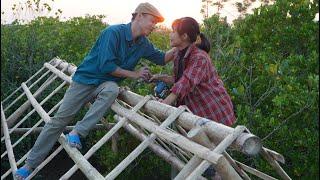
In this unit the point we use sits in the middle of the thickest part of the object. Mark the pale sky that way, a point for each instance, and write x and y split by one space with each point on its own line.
118 11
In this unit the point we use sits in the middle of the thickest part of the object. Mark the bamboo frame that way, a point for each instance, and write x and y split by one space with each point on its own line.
84 165
178 139
105 138
219 149
34 75
18 163
243 140
138 150
11 158
198 128
14 116
33 84
45 162
41 103
247 142
40 121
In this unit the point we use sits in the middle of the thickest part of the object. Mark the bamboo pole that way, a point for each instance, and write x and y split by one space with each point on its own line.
40 121
21 95
11 158
137 151
105 138
247 143
41 103
68 128
22 137
76 156
275 155
45 162
14 116
178 139
18 163
275 164
114 142
20 86
219 149
255 172
200 138
160 151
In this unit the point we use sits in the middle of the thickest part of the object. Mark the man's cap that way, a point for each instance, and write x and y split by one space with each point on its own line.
149 9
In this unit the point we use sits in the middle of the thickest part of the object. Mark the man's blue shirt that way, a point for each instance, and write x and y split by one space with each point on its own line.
115 48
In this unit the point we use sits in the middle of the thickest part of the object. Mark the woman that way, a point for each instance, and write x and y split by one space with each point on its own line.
196 82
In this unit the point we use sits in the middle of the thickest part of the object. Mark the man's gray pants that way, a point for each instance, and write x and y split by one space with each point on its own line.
74 99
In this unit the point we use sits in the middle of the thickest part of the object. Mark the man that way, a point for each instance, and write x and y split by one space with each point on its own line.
111 59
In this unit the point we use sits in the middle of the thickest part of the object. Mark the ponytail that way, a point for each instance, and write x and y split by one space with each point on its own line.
204 44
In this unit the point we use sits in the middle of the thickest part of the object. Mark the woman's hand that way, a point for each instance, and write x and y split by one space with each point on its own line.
156 77
162 77
169 100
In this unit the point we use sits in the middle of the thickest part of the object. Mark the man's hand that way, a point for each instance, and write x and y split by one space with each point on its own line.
144 73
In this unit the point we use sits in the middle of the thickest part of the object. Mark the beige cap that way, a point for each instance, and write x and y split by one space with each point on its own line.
149 9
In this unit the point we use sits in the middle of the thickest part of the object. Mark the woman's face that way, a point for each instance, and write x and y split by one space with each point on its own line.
177 40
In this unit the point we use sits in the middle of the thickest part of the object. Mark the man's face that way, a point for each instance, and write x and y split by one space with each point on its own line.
147 23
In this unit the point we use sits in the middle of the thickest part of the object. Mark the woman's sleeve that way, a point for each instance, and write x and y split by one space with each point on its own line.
191 77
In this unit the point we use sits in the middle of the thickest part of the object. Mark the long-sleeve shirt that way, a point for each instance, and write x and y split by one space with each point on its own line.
115 48
201 89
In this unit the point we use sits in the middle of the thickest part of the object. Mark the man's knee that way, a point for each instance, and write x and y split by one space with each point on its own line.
110 90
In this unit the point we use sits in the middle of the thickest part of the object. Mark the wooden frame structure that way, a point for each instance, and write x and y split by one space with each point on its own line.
197 142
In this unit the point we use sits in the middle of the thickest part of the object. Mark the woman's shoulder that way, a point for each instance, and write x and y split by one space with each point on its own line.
199 54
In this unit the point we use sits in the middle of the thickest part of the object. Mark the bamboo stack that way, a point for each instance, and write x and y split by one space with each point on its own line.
206 140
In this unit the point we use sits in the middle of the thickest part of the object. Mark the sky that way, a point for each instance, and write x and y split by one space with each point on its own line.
118 11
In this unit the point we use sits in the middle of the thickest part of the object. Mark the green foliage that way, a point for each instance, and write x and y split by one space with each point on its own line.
270 64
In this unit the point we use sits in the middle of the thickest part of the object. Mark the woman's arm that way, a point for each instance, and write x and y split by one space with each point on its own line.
169 99
163 77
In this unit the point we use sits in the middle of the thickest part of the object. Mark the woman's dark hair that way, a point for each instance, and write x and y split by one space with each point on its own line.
191 27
